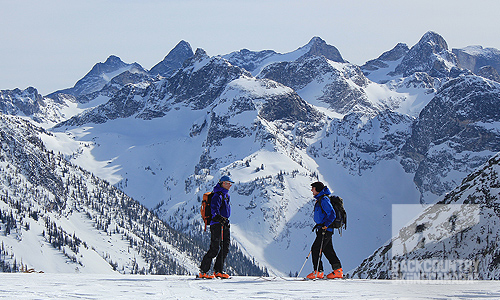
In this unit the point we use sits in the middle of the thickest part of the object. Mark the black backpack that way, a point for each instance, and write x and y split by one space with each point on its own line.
340 213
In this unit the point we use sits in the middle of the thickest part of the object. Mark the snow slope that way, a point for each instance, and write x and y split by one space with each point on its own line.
57 286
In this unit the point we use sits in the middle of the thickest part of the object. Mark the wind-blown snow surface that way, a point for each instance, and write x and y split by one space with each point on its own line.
64 286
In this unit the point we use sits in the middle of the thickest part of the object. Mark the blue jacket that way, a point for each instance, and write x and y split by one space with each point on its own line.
323 209
220 205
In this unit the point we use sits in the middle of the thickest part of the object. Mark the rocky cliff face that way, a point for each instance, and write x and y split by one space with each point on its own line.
26 102
359 145
476 57
455 131
298 74
382 62
489 72
173 61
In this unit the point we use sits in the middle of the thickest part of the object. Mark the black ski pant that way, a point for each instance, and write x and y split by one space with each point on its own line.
327 251
219 247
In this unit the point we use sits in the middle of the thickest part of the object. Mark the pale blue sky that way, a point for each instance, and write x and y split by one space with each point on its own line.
50 44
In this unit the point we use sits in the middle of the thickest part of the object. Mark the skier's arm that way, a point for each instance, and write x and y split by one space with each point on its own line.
215 207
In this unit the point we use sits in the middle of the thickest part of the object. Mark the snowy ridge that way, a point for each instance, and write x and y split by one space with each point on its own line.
100 75
255 62
73 228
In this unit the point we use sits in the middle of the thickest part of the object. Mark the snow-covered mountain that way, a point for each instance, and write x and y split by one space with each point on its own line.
461 230
57 217
101 74
386 61
255 61
455 132
430 55
400 129
45 111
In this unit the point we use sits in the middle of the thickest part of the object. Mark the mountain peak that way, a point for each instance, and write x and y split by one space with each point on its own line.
429 55
395 53
183 45
200 53
316 40
318 47
100 74
434 39
113 59
174 60
381 62
112 63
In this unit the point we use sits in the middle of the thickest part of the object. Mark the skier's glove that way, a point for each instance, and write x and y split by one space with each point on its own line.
318 226
225 222
222 220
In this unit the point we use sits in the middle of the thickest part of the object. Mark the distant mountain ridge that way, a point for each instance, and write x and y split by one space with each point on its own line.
101 74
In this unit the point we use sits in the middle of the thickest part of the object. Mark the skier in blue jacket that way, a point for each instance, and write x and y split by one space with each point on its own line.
324 214
219 230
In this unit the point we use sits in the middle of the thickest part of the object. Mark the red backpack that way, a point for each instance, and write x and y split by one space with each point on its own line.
206 210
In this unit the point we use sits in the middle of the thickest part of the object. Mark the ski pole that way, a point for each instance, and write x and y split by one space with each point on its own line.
304 263
320 249
222 242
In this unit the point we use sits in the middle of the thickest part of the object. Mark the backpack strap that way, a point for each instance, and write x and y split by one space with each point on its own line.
320 206
319 202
